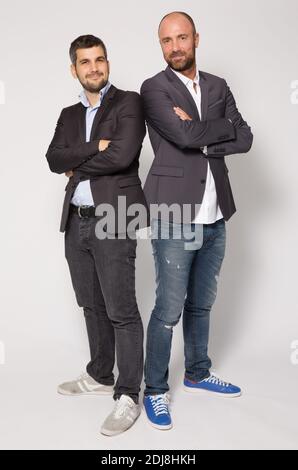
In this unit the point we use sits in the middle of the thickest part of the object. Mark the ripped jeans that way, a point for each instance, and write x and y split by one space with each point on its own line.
186 275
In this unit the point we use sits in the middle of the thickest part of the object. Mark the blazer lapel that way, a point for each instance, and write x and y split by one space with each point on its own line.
82 122
177 83
204 95
105 104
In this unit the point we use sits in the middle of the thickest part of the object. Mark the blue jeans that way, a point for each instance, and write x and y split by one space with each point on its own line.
186 277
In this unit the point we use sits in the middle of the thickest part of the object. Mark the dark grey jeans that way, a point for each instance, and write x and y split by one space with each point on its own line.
103 278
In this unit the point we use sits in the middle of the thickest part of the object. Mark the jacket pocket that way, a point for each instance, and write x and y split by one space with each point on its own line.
216 103
175 171
129 181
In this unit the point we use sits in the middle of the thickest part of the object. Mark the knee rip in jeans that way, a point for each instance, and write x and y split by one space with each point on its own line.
169 325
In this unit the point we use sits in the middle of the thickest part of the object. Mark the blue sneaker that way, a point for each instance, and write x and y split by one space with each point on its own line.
157 410
213 385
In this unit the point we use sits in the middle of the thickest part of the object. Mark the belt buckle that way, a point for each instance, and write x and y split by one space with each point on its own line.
79 212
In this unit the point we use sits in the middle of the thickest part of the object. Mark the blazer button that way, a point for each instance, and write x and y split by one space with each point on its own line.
203 181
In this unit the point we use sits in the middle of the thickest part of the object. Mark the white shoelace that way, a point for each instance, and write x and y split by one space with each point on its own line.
160 404
216 380
121 406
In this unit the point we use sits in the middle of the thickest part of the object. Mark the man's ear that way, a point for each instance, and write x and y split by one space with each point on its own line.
197 39
73 71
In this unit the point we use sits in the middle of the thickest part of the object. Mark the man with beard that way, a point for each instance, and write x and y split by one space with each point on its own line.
193 124
97 144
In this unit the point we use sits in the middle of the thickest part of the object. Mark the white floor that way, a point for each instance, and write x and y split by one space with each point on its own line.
34 416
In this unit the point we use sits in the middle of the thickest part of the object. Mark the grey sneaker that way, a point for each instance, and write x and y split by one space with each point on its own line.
123 416
84 385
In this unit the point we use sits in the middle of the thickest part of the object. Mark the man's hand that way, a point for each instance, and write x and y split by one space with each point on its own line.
69 174
103 145
182 114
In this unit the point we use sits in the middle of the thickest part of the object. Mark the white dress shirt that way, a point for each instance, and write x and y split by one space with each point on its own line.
209 211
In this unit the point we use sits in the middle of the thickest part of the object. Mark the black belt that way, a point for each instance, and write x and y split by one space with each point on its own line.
84 212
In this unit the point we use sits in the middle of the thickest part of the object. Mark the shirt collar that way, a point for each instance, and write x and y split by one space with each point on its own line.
84 99
187 80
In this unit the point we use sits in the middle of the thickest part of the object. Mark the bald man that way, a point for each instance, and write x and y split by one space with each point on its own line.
193 125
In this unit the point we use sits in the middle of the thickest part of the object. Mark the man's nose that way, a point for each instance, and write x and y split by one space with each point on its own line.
93 67
175 46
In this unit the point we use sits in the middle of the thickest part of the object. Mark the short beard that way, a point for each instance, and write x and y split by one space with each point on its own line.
93 88
183 66
186 65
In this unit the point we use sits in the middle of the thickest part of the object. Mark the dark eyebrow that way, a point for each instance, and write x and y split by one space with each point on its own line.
87 60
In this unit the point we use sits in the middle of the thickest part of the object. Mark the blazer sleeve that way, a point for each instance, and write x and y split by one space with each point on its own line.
60 156
159 113
125 144
244 137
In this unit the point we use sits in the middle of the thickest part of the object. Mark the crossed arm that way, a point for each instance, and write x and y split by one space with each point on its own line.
222 136
243 138
101 157
62 157
103 145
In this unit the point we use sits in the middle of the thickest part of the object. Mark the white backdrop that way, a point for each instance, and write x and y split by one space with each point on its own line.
254 46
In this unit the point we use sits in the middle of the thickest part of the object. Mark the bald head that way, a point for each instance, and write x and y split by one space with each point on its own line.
174 15
178 39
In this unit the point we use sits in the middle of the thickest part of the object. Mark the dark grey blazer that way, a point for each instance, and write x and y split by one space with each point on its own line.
178 173
113 172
